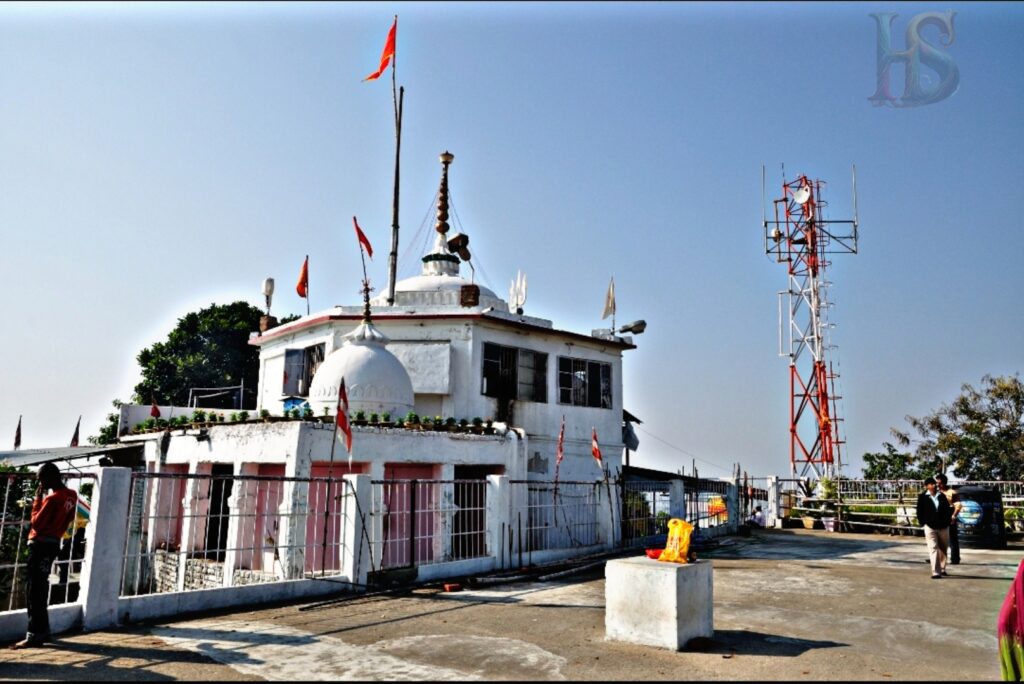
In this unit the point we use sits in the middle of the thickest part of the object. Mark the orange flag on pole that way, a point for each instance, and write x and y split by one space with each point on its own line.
302 287
341 417
388 54
363 242
560 444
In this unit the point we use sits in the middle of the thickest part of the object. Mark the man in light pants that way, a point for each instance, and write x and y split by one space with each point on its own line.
935 513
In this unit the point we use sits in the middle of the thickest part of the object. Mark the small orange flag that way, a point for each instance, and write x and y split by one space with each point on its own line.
389 52
302 287
363 242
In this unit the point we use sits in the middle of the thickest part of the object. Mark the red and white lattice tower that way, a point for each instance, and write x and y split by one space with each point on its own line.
803 238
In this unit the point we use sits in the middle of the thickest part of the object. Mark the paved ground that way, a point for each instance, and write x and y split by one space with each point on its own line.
789 605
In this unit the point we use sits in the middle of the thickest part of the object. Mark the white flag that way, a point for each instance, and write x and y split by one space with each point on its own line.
609 300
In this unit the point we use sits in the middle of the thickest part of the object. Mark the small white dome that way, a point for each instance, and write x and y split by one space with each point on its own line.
375 380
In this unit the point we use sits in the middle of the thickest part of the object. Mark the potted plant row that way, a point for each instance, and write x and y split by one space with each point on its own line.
412 421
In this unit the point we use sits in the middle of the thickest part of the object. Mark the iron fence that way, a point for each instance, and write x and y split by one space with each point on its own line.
198 531
645 511
706 502
424 522
754 492
17 492
561 515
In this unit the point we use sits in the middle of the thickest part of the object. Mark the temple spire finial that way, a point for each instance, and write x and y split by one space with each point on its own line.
442 200
366 300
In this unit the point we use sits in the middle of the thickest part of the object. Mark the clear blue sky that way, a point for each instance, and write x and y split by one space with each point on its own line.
157 158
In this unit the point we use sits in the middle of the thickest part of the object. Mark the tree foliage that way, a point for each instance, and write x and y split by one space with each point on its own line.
891 465
108 431
207 348
978 436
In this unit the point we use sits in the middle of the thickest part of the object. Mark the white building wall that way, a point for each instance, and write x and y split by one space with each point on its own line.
299 443
420 344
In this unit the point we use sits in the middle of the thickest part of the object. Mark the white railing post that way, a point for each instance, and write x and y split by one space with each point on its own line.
499 518
773 514
105 539
677 499
241 539
607 502
444 521
732 506
355 558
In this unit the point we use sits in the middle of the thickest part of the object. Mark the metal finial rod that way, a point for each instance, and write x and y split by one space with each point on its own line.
366 301
442 200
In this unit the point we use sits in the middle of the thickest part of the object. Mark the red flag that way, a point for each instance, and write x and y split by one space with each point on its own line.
74 437
560 446
154 410
363 242
594 448
342 418
302 287
389 52
17 435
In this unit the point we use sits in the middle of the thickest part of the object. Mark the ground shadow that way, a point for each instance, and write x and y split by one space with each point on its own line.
96 663
793 545
744 642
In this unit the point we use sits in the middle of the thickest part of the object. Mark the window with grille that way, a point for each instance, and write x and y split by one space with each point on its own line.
584 383
512 373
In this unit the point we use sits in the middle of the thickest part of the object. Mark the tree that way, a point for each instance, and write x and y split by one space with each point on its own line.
208 348
891 465
979 436
108 432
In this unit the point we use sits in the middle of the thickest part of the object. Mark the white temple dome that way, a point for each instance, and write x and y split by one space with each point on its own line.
436 290
375 380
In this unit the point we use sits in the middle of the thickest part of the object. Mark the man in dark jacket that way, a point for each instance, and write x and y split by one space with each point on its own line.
935 514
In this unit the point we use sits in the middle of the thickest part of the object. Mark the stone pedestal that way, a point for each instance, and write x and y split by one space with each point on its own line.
658 604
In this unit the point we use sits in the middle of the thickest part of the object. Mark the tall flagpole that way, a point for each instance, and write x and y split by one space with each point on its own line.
398 101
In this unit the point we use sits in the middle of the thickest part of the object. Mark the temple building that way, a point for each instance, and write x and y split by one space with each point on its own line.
446 348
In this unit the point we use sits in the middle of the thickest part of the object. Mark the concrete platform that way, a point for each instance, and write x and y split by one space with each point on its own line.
790 605
659 604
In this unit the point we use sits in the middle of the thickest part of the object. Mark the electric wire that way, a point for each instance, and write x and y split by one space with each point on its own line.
681 450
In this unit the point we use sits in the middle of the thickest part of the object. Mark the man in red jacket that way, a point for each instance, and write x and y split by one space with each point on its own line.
50 519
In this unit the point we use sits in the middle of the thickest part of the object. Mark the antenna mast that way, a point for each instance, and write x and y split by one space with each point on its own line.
801 237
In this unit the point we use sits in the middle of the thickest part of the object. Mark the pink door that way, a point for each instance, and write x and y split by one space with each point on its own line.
326 503
268 520
409 498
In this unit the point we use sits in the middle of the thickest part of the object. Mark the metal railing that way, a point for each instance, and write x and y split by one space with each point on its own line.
645 511
195 531
706 502
17 491
562 516
424 522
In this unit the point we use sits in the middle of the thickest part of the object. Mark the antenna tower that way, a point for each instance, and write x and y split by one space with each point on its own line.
803 238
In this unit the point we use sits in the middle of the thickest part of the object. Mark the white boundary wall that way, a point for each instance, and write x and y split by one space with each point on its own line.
101 606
